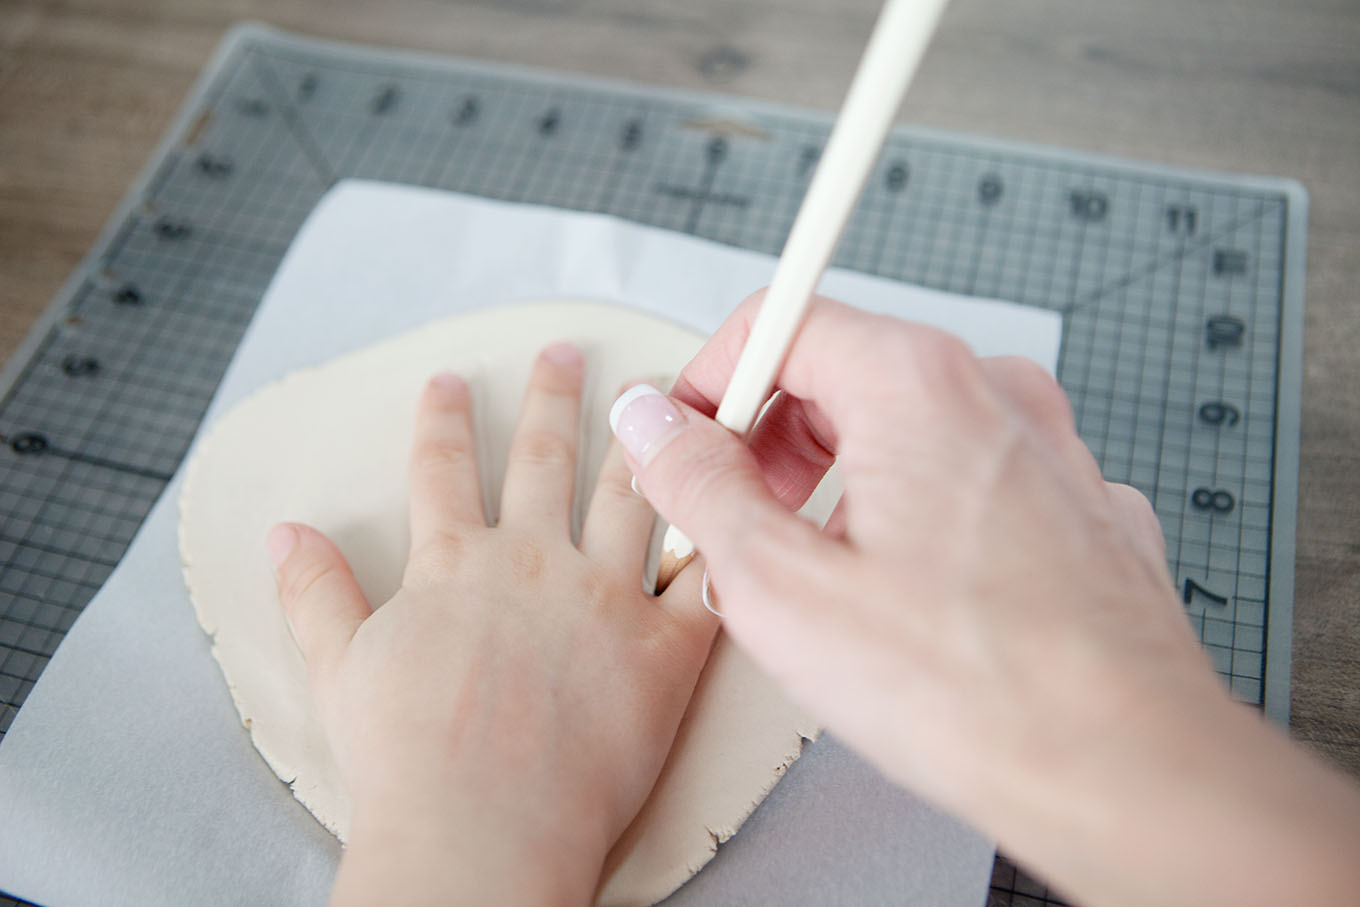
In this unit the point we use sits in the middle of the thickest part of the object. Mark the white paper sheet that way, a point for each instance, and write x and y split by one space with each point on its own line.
127 777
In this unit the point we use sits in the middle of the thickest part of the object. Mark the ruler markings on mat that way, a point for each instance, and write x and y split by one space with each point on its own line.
1180 292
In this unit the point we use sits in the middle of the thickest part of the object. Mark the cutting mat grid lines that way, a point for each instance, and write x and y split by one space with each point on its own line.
1178 330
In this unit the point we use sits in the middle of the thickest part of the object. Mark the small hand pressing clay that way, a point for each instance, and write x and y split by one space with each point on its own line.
328 446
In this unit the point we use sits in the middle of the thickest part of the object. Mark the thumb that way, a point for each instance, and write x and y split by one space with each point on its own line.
703 479
320 597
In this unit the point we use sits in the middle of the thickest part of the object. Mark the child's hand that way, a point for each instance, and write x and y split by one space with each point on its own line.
502 718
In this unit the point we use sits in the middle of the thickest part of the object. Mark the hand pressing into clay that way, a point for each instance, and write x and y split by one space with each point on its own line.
985 617
500 720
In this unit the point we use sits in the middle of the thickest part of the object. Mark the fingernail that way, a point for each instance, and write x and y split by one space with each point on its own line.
644 420
448 381
708 596
281 541
564 354
634 484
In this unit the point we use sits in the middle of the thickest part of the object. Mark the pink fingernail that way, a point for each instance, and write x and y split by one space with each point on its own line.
564 354
448 381
280 542
645 420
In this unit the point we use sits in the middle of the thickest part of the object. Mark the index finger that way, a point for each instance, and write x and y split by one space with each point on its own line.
795 441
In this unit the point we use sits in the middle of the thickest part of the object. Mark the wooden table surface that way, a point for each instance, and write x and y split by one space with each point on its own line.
1259 86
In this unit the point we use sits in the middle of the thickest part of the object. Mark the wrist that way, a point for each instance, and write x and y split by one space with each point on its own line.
1174 796
438 849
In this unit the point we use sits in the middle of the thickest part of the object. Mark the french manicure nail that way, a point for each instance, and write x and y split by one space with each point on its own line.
644 420
280 542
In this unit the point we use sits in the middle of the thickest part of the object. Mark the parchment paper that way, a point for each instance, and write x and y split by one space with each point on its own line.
127 777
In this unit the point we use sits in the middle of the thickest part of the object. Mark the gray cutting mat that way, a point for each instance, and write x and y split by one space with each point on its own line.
1181 294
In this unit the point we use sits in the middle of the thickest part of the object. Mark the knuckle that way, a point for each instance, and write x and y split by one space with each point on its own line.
707 488
616 489
555 380
542 448
1129 497
917 369
441 455
437 558
867 334
1019 369
940 357
303 579
596 594
1135 500
761 542
707 473
526 559
1035 389
917 355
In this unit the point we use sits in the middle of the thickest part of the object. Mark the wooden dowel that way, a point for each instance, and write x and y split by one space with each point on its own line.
894 52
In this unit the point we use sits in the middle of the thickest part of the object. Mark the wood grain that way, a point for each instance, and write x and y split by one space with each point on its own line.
88 86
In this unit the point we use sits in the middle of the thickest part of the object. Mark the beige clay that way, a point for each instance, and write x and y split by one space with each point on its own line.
328 446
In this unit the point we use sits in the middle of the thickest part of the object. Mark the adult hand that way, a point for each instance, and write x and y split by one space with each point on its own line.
985 618
499 721
977 568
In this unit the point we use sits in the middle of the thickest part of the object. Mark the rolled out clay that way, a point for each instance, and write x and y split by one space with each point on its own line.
328 446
